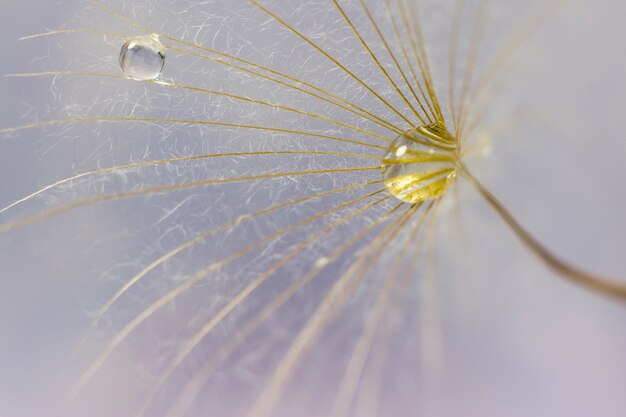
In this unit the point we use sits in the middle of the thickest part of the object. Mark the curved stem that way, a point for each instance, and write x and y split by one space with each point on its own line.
585 279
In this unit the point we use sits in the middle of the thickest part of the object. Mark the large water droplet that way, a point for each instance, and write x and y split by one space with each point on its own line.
142 58
420 163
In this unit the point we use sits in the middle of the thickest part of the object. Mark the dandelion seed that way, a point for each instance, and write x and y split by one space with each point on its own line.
296 253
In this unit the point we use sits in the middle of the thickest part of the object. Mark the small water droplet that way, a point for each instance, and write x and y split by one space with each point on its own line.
420 163
142 58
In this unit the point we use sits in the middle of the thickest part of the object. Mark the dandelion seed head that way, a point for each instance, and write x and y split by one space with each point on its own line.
433 319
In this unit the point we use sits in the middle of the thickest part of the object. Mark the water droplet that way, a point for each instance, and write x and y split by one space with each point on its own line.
142 58
420 164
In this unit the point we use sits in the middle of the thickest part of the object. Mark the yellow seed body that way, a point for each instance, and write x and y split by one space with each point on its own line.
420 163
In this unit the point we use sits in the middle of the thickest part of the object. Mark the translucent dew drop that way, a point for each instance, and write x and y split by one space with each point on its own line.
142 58
420 164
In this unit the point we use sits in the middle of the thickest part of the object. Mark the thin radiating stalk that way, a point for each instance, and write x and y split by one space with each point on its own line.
193 387
523 32
188 122
612 288
476 39
165 188
452 60
203 237
189 283
341 291
395 60
212 92
67 31
288 85
334 60
354 370
405 54
416 42
137 25
174 160
377 61
368 397
243 295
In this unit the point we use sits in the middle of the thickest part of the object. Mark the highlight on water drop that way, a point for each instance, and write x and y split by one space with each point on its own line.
142 58
421 163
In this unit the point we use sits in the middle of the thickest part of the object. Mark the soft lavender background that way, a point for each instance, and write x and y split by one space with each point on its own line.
516 339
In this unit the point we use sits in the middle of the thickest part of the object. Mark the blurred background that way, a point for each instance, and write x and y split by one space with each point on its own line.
488 332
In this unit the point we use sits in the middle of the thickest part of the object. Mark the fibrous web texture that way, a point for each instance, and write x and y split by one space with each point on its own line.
449 318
